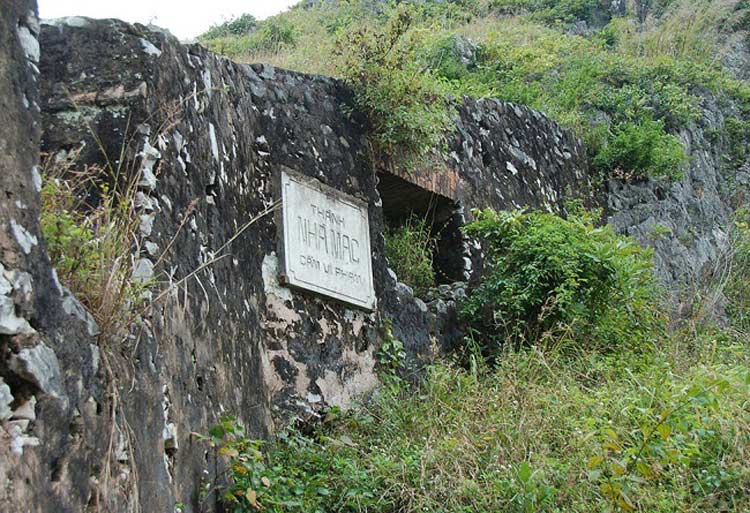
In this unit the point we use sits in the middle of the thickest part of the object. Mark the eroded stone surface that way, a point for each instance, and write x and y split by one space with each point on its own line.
208 138
45 367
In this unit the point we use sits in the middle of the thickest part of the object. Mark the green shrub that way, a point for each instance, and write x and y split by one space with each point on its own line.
409 249
273 35
738 135
406 112
71 243
239 26
550 276
636 151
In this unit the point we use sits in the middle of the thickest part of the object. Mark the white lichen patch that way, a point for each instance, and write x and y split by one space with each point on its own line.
149 157
36 178
149 48
29 43
214 143
23 237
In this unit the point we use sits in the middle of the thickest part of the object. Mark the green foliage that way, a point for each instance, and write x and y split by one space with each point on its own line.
409 250
550 275
407 115
242 25
269 36
738 135
70 239
663 431
88 244
391 357
623 107
296 474
637 151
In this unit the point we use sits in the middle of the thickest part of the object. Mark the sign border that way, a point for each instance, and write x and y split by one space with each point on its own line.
286 275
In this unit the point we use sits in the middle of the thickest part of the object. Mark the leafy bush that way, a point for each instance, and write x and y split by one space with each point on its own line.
242 25
605 86
637 151
409 249
406 113
550 275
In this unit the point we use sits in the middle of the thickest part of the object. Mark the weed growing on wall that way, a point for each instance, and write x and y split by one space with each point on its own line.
637 151
89 222
406 113
409 251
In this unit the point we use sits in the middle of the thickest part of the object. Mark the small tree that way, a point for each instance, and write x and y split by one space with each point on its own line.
406 113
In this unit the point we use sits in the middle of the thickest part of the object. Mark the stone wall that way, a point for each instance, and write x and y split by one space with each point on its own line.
207 139
50 394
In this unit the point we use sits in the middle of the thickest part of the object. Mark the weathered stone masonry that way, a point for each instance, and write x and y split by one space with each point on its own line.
209 137
48 355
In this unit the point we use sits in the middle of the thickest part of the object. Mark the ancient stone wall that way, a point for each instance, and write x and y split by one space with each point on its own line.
207 139
50 394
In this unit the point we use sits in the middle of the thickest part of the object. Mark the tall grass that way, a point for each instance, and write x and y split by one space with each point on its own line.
90 223
540 432
688 30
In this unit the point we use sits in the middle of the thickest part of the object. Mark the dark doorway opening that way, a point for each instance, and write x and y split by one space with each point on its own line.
402 200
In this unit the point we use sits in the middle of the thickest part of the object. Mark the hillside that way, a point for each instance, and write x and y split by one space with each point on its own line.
607 69
367 256
648 86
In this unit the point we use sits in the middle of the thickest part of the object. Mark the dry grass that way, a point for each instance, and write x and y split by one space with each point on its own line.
690 30
90 223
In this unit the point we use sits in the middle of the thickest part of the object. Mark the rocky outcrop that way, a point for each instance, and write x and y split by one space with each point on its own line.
686 221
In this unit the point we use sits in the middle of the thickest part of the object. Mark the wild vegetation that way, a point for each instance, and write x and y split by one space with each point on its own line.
627 85
570 393
409 249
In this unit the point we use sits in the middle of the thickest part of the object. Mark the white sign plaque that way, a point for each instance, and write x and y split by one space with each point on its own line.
326 241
